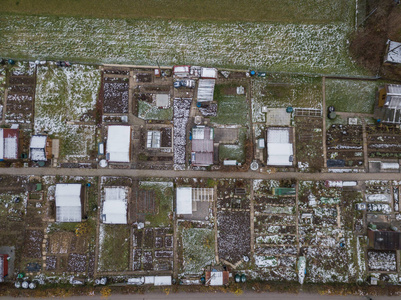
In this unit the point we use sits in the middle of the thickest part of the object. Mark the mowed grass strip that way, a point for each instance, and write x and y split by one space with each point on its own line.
299 11
114 248
355 96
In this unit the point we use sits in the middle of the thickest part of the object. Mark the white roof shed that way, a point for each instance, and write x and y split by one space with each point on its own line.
393 54
184 200
118 143
115 205
279 148
68 202
209 73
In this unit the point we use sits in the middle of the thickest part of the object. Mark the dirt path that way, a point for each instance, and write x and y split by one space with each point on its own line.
324 122
252 215
198 174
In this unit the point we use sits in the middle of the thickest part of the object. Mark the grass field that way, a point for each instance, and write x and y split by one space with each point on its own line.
351 95
289 47
67 95
114 248
163 199
310 11
230 109
278 90
198 249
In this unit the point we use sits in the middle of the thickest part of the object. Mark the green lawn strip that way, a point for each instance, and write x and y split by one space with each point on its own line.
281 91
114 254
354 96
234 152
230 109
163 200
308 11
198 249
150 112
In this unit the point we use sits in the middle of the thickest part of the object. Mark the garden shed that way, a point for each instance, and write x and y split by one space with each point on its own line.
202 146
8 143
115 205
118 143
68 202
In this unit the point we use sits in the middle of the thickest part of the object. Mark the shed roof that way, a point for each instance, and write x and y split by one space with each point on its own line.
68 202
184 200
394 52
162 100
38 141
384 240
153 140
118 143
279 149
162 280
8 143
209 73
205 90
115 205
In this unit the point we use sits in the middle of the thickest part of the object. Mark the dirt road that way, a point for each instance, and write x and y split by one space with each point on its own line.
199 174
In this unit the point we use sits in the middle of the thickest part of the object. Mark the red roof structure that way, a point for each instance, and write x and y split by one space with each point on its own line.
3 266
9 143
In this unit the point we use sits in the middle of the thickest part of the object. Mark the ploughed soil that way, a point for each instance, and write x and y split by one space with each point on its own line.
368 44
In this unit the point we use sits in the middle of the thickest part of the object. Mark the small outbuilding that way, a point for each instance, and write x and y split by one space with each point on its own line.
8 144
202 146
118 143
216 276
181 71
184 200
68 202
279 148
115 205
38 148
393 53
208 73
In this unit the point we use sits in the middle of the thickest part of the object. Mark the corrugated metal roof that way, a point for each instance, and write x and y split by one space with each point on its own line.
184 200
68 202
205 90
394 52
153 140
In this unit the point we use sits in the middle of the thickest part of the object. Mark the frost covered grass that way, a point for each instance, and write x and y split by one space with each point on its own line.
351 95
114 248
67 95
151 112
198 249
278 90
321 48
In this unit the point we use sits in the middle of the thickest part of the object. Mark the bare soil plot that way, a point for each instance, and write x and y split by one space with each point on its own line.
382 261
115 95
309 143
33 243
384 141
77 262
344 145
234 236
150 251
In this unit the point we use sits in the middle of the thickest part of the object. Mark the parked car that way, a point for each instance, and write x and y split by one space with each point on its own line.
63 64
188 83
